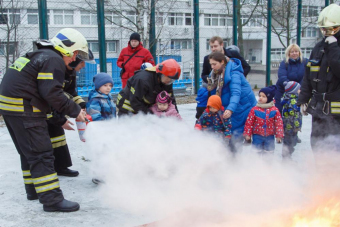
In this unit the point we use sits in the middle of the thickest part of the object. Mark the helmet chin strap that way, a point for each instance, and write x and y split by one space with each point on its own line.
330 31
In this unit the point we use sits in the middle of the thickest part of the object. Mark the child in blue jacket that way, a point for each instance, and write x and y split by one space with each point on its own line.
100 105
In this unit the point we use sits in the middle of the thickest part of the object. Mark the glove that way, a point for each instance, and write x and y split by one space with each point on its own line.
330 39
303 109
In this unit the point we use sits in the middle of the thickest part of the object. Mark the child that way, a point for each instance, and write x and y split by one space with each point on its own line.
292 118
164 106
264 121
100 105
212 120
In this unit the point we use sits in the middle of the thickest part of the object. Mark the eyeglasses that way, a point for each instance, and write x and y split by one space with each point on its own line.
329 31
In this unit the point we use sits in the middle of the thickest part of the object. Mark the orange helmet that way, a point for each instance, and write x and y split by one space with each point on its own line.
169 68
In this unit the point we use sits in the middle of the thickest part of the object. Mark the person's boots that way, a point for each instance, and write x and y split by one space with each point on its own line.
67 172
63 206
30 191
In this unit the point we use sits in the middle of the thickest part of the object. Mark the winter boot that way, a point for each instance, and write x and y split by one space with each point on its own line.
67 172
30 191
63 206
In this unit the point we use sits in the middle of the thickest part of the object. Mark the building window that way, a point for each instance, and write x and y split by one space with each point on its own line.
188 19
277 54
309 32
88 18
254 21
12 14
310 11
175 19
184 44
112 19
215 20
131 18
10 50
306 51
63 16
160 19
111 46
33 16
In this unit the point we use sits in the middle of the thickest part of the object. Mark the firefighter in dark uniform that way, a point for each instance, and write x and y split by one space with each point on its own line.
57 123
320 91
141 89
29 89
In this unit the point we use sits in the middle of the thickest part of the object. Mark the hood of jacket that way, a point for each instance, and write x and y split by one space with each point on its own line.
233 65
98 94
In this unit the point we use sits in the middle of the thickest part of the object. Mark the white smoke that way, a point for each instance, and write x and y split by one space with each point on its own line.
162 169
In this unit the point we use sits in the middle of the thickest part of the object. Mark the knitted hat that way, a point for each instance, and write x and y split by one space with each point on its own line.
269 92
163 97
215 102
100 79
135 36
291 87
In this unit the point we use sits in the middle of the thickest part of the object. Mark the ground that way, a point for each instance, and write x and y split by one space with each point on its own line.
161 168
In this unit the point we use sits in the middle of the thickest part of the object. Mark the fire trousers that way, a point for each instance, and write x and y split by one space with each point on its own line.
59 145
32 141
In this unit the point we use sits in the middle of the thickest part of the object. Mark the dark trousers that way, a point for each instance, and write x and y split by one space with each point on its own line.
60 148
289 142
32 141
325 133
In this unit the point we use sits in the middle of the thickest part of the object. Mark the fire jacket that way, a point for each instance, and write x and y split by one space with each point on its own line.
135 62
321 83
33 84
141 91
264 122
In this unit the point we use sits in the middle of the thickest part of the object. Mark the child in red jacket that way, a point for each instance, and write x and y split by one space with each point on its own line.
264 122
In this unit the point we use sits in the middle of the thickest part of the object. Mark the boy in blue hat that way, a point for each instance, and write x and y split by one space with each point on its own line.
100 105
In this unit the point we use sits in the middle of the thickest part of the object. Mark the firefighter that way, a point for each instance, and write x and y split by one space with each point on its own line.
320 91
30 88
57 123
142 89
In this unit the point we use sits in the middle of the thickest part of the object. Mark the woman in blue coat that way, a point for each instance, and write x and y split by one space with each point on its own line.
291 69
227 80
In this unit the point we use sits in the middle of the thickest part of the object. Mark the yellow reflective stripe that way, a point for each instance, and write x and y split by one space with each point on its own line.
335 104
78 99
309 64
315 68
35 109
63 51
28 181
132 90
11 107
44 179
58 138
45 76
59 144
127 102
26 173
145 100
128 108
49 115
47 187
20 63
335 110
10 100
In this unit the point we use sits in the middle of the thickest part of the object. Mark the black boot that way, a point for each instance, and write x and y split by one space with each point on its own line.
63 206
30 191
67 172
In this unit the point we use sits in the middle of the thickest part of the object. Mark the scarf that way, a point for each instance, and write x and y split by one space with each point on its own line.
216 80
265 105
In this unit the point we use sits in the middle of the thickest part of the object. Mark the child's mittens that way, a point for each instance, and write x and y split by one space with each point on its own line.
279 140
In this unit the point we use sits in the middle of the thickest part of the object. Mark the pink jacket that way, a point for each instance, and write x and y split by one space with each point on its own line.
170 112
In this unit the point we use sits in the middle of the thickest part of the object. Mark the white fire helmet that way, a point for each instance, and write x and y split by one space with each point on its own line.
329 20
68 40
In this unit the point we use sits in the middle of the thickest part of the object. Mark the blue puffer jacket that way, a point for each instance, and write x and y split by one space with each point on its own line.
237 96
294 70
100 106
